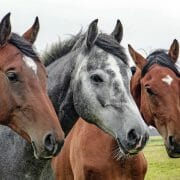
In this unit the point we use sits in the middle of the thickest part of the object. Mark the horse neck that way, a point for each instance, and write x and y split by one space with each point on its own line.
60 92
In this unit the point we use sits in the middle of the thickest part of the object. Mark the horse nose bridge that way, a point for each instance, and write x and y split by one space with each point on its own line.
44 107
46 118
135 118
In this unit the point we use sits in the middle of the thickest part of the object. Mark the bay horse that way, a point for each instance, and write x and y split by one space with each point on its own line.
16 154
90 154
156 90
89 77
24 98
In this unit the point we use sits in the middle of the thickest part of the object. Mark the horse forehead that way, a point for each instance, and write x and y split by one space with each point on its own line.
8 52
30 63
158 72
113 65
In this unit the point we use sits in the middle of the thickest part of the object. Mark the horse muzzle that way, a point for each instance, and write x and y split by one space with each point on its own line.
134 142
173 148
48 149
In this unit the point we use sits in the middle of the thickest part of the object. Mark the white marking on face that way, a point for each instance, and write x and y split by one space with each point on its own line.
30 63
115 68
130 103
112 65
167 79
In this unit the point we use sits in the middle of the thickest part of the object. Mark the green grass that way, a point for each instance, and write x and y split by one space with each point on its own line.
160 166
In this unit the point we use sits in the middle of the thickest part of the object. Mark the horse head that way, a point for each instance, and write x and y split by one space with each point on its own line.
156 89
24 103
101 88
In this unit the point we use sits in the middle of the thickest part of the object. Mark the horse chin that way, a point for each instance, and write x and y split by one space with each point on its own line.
172 154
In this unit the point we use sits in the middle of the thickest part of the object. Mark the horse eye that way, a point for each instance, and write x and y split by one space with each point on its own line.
96 78
12 76
150 91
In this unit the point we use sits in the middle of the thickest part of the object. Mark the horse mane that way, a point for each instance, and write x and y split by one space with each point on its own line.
157 52
24 46
104 41
161 57
59 49
110 45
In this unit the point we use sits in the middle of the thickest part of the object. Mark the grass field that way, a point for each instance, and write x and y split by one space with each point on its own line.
160 166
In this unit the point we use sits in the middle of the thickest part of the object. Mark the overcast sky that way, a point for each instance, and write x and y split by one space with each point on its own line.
148 24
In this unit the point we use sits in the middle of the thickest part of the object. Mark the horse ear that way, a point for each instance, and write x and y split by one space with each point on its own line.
92 33
31 34
139 60
118 31
5 29
174 51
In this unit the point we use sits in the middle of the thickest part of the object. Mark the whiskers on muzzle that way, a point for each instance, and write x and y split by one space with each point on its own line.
118 153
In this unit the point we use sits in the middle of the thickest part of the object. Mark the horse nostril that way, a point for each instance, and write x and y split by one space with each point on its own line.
133 137
49 142
171 141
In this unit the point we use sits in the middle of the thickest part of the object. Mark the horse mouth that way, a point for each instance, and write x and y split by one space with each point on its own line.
42 155
123 152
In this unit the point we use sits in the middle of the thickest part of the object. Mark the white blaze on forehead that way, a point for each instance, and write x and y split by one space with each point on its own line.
167 79
115 68
30 63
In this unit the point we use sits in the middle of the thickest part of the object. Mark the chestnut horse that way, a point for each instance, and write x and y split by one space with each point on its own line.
90 154
156 90
24 103
95 78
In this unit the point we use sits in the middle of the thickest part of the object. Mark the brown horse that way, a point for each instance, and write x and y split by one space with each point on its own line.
156 89
89 153
24 103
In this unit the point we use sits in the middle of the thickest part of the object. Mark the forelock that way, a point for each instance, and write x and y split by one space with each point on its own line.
24 46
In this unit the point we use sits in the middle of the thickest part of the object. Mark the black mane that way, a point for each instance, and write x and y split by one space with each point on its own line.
104 41
160 57
59 49
110 45
24 46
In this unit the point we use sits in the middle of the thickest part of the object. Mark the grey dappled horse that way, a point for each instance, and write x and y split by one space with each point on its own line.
92 82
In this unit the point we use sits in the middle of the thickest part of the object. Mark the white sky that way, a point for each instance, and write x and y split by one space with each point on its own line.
148 24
